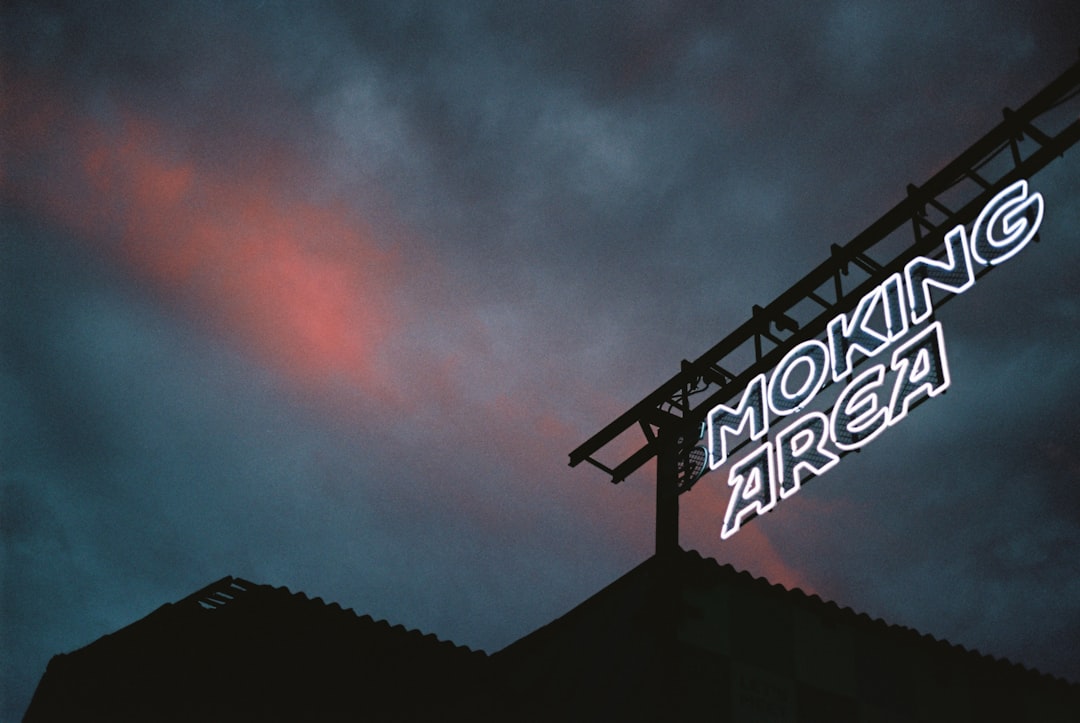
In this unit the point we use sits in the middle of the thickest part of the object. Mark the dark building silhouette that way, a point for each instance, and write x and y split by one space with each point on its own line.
677 638
685 638
237 651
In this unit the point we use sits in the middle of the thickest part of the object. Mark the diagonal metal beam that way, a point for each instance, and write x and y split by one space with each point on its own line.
668 407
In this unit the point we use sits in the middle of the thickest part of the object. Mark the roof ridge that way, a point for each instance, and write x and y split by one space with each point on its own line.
223 591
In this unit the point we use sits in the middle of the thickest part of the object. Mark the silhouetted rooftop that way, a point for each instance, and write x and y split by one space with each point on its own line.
678 637
238 650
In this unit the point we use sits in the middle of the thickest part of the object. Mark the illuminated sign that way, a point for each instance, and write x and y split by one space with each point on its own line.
890 318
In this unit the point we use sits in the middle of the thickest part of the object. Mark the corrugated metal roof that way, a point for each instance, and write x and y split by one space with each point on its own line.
239 650
230 590
704 568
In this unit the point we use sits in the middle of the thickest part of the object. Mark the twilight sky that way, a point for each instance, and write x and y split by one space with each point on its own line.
323 294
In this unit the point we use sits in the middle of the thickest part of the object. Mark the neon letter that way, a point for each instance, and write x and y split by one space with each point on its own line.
753 493
845 337
895 309
921 369
857 418
816 356
922 273
800 449
723 420
1007 210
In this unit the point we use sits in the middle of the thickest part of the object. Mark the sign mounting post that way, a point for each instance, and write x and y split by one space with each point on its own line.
667 493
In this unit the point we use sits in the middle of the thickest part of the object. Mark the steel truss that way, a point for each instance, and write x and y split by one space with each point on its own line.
670 418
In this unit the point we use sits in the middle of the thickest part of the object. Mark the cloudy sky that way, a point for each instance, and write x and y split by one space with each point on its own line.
322 295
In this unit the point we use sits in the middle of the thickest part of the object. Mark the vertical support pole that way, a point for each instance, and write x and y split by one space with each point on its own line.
666 591
667 492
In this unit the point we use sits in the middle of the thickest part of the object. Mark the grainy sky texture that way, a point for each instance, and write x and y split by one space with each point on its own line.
323 294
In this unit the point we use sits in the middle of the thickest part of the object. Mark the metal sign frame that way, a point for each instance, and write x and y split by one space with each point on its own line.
670 419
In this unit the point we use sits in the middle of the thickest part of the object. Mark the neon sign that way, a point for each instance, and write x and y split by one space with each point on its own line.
892 317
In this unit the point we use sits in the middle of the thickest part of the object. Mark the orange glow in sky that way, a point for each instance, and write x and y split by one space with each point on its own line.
303 283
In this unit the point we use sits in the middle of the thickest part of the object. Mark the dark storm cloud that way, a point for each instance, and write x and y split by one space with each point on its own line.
581 196
561 159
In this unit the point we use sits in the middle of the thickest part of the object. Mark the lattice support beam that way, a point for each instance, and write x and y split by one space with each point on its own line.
677 408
